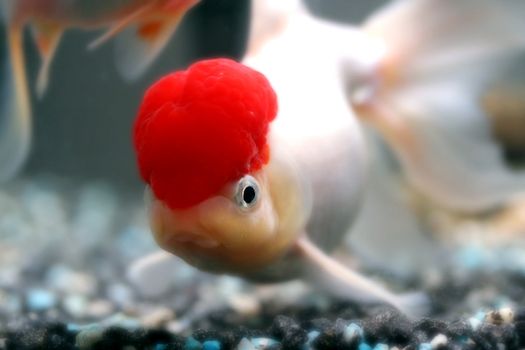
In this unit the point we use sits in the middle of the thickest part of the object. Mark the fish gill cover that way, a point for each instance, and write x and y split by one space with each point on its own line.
200 128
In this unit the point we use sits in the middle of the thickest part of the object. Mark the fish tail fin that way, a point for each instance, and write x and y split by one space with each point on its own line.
137 46
15 110
428 103
268 19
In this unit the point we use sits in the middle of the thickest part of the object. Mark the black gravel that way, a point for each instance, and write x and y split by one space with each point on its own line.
386 327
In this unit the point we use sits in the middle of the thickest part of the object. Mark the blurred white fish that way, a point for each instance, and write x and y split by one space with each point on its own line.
424 95
143 29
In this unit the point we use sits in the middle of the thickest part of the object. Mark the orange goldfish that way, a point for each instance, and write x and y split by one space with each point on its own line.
143 29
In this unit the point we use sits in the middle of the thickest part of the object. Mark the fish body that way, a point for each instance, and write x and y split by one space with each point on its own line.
316 129
141 28
231 191
312 65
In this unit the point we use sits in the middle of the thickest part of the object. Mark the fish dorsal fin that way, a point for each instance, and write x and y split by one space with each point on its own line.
47 37
268 19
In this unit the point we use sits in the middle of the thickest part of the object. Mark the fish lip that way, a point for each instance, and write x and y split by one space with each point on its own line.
200 240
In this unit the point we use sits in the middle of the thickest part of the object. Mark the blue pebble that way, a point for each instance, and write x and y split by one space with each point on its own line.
480 315
474 322
312 335
40 300
472 257
245 344
192 344
211 345
425 346
381 346
73 327
263 343
364 346
353 331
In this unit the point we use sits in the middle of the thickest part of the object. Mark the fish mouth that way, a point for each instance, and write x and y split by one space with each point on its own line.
203 241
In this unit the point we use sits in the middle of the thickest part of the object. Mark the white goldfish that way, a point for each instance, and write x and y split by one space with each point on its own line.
228 196
420 86
143 28
413 60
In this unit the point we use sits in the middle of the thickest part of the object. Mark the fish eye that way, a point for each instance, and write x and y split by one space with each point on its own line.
247 192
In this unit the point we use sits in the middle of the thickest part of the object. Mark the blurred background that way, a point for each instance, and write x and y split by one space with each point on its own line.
74 220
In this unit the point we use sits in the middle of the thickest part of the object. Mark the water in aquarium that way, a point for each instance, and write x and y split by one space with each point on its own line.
262 174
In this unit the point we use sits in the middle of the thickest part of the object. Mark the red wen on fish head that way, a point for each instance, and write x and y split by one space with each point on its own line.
201 128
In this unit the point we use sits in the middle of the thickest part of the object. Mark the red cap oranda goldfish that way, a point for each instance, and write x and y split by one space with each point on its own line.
417 83
141 28
228 192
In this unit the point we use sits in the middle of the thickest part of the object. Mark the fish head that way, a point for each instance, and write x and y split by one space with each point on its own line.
217 197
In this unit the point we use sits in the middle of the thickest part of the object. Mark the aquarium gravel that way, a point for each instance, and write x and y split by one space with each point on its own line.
79 297
501 329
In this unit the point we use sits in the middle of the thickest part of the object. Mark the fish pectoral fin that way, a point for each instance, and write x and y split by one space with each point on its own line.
47 37
344 282
150 274
139 45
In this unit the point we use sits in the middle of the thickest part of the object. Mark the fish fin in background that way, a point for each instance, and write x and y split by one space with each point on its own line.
385 243
439 59
119 27
151 274
47 37
341 281
139 45
15 109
